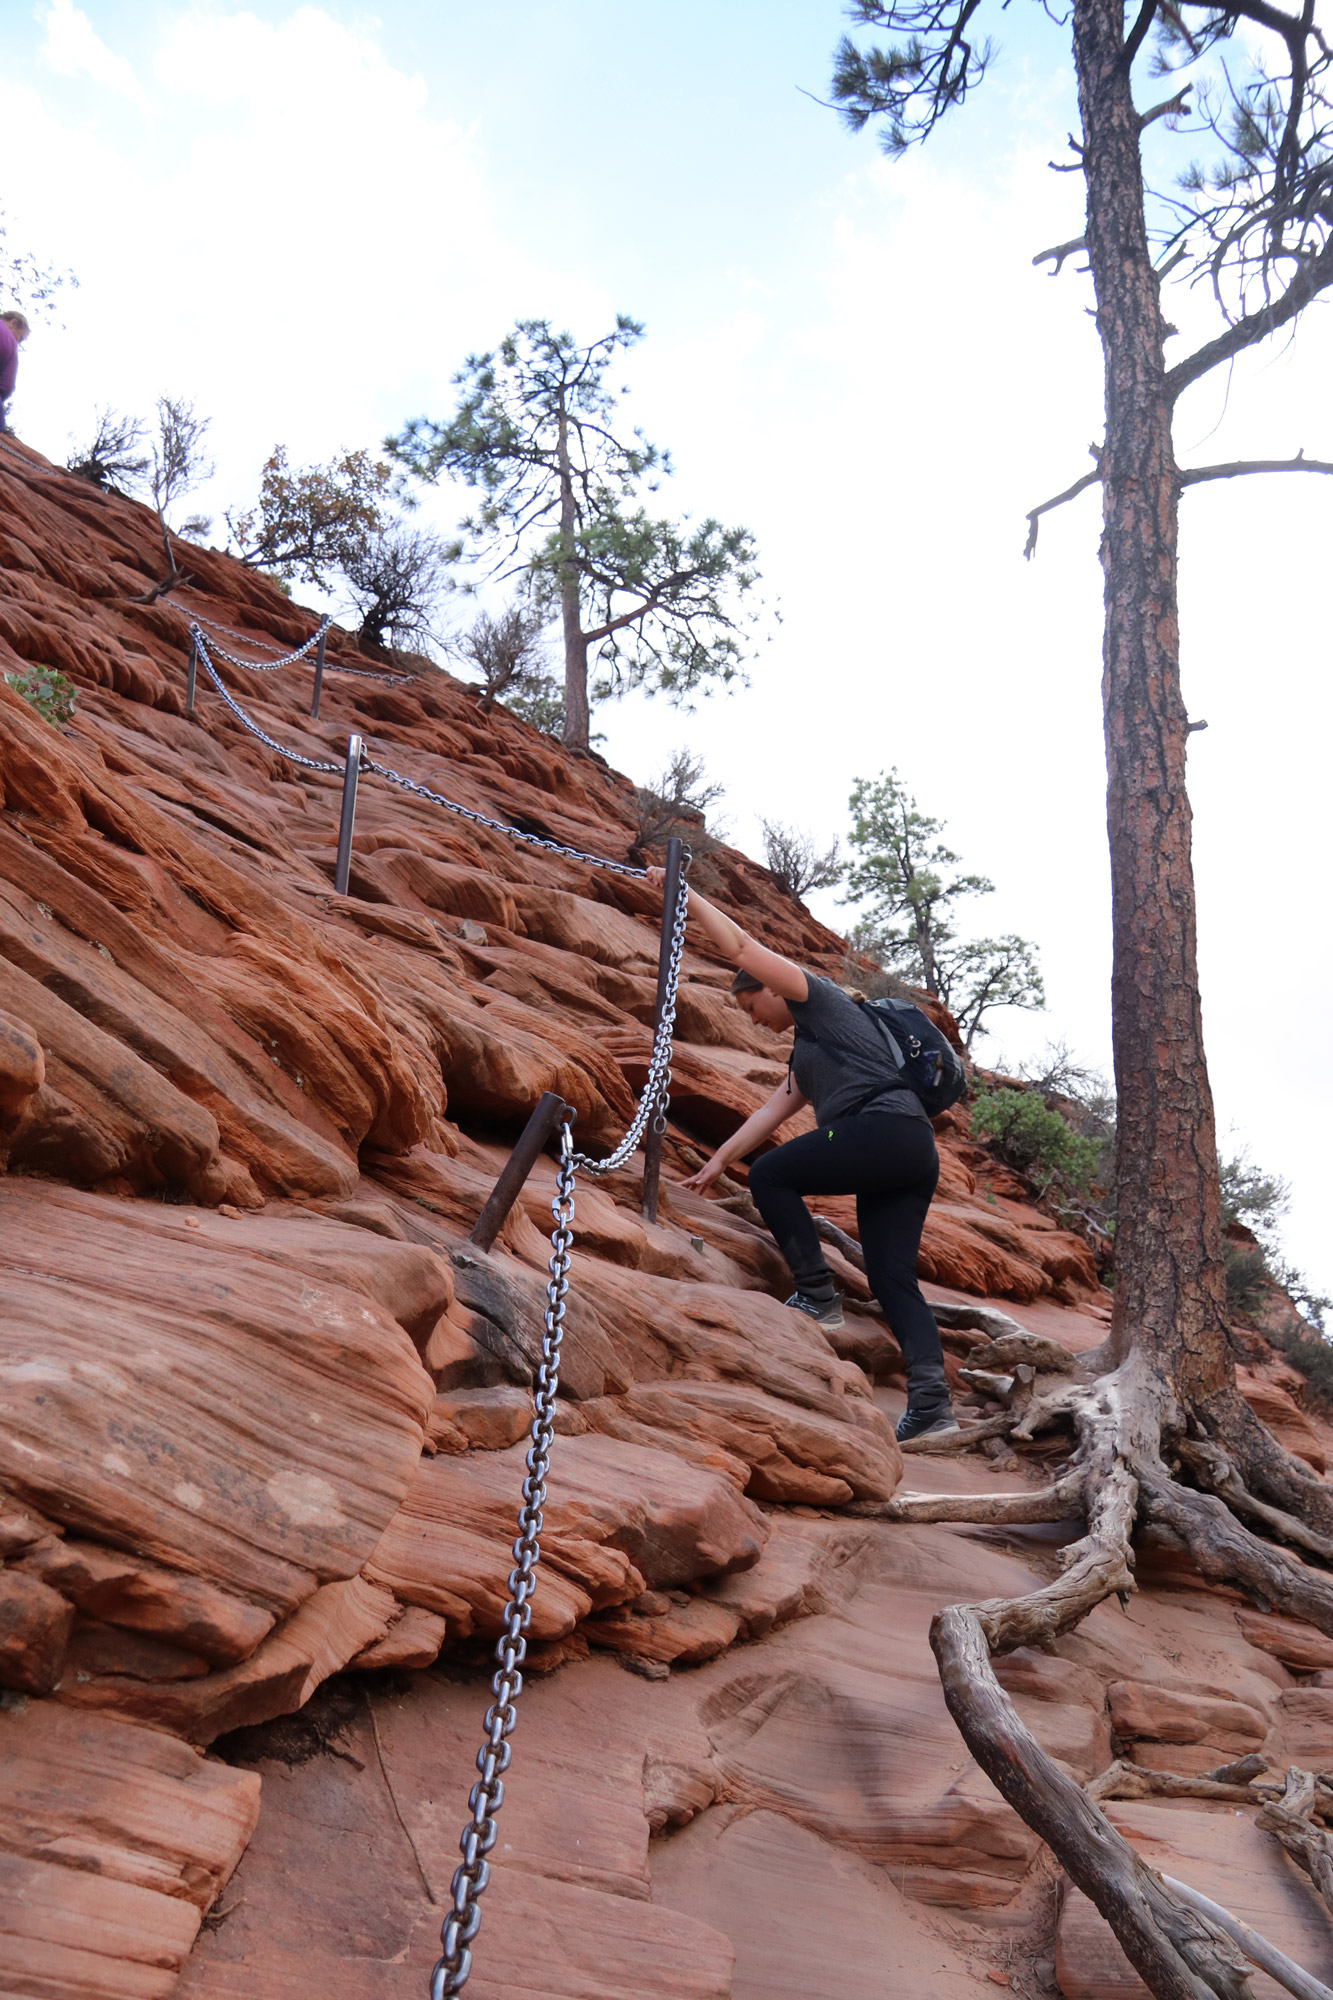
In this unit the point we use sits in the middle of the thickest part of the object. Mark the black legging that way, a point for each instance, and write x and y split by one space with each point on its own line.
890 1164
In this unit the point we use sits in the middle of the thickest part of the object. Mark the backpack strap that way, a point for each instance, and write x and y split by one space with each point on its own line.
874 1014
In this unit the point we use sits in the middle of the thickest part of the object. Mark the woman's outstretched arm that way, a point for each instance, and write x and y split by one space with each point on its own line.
785 1102
779 974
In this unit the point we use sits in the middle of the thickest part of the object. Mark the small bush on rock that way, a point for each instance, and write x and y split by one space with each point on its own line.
1035 1141
48 691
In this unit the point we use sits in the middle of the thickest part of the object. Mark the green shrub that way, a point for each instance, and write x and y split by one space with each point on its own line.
1035 1141
48 691
1247 1271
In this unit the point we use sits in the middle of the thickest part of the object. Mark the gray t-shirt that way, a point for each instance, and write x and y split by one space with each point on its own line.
841 1061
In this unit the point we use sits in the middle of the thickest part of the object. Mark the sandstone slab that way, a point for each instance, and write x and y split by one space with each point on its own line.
253 1426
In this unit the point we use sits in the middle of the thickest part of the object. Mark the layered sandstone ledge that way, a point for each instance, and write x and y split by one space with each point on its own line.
262 1410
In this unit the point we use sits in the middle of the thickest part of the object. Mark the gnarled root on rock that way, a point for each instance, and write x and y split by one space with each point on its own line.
1183 1947
1290 1820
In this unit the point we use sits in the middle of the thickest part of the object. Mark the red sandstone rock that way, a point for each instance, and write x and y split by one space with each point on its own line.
480 1419
126 1591
1296 1645
117 1838
218 1024
1183 1715
249 1425
335 1625
35 1625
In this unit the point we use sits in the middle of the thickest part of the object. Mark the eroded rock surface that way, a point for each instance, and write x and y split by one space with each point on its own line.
263 1408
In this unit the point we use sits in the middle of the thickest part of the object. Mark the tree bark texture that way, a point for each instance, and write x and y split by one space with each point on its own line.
577 722
1170 1290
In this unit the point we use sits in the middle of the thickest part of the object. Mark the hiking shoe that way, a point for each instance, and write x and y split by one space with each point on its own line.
825 1312
925 1423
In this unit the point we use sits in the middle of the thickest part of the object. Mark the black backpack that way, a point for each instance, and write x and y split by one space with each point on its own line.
924 1057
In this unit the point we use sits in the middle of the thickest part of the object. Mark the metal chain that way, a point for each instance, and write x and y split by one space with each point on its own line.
656 1094
487 1795
460 1928
41 471
247 721
331 667
260 666
395 777
498 825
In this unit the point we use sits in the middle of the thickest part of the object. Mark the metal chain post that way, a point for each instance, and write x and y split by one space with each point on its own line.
487 1795
319 677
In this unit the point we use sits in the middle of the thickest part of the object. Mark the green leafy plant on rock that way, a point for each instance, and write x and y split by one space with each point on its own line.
1035 1141
46 690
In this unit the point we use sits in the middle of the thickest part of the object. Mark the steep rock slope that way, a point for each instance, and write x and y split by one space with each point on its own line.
262 1410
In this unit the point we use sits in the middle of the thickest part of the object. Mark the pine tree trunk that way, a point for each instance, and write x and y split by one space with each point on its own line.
1169 1279
577 718
576 644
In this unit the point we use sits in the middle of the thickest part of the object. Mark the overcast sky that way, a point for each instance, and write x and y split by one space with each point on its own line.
304 217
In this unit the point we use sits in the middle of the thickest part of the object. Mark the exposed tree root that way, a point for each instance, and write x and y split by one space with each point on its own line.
1226 1552
1133 1781
1182 1946
1289 1819
1269 1472
1256 1948
940 1444
1214 1470
1061 1502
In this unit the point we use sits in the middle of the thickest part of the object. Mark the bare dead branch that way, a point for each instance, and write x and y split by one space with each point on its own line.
1060 251
1070 493
850 1248
1010 1350
1133 1781
938 1444
1237 468
1168 109
1135 38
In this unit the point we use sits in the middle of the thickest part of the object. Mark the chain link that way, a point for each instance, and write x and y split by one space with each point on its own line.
247 721
460 1928
260 666
656 1094
498 825
487 1795
40 471
263 646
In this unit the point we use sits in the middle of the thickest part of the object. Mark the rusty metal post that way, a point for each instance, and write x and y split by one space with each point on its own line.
551 1111
189 678
652 1144
319 675
347 824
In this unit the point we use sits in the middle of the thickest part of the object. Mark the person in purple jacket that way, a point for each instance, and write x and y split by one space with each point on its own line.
14 330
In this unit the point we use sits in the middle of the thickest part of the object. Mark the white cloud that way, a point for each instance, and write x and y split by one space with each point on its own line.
74 48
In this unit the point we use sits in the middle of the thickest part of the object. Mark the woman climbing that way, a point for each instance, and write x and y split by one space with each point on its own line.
872 1139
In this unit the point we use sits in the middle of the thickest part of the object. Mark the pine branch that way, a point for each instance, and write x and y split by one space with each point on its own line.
1238 467
1313 277
1070 493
